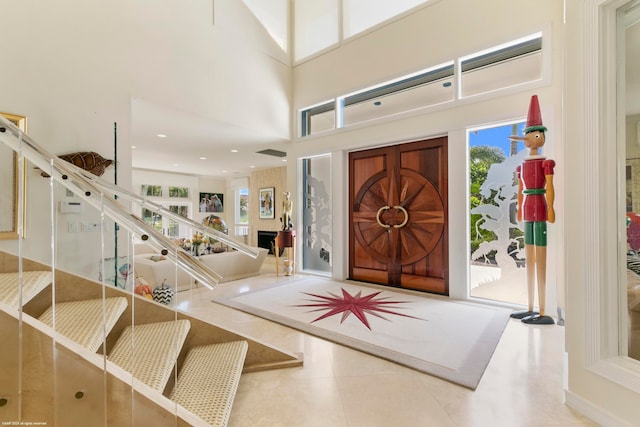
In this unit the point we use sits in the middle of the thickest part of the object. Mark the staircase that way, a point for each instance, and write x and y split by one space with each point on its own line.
171 362
78 352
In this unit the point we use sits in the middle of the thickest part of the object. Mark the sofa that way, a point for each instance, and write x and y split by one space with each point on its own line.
234 265
231 265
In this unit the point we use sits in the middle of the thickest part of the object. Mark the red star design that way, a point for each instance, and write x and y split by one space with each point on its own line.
360 306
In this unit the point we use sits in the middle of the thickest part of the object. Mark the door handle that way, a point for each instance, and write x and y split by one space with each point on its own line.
382 209
386 208
406 217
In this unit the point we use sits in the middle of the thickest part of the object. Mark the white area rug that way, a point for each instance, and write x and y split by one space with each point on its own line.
453 340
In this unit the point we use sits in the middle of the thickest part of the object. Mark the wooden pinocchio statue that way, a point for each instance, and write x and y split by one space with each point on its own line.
535 206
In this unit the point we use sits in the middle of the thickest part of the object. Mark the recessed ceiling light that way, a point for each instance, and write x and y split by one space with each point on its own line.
223 171
252 166
161 135
284 160
203 158
234 151
176 164
133 147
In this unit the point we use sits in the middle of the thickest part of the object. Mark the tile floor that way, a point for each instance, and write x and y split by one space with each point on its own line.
338 386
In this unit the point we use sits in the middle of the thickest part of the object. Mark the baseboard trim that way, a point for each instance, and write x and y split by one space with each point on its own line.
592 411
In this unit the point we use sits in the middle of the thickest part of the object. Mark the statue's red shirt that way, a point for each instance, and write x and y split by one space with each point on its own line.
532 172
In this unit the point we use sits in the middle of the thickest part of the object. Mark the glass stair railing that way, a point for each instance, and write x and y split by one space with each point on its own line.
86 339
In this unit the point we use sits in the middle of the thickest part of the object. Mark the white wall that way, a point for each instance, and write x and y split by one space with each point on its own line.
430 36
196 185
73 68
600 384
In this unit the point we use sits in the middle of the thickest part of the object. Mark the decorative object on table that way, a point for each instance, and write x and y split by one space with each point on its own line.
163 293
142 288
288 267
266 198
286 239
211 202
287 209
196 240
88 160
217 223
535 206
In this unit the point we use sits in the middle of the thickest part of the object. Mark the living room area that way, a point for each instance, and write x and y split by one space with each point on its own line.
238 215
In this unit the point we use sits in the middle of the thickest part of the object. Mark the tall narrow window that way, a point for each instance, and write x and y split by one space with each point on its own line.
152 218
242 209
172 228
497 265
316 220
241 215
630 87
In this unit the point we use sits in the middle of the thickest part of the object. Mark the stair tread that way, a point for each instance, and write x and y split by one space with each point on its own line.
82 321
32 283
208 380
155 348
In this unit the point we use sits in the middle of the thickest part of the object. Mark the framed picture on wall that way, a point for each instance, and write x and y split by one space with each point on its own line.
12 179
267 203
211 202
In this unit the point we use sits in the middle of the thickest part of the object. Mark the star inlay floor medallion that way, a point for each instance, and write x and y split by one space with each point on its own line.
357 305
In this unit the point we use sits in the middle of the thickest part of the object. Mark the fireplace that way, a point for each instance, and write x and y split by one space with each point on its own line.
265 240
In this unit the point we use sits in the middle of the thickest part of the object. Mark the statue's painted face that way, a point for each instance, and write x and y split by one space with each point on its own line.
534 140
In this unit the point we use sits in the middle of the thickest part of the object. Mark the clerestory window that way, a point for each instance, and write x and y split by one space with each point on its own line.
500 67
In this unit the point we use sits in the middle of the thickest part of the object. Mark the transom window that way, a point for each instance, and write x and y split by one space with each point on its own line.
500 67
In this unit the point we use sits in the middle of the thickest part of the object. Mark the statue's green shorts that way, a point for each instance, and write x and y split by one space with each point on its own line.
535 233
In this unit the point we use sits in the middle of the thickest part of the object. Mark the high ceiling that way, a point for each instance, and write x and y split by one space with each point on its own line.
190 137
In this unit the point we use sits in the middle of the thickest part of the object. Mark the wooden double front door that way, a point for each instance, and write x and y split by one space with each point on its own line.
398 216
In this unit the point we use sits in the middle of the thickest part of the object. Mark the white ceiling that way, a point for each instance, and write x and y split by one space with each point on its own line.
189 137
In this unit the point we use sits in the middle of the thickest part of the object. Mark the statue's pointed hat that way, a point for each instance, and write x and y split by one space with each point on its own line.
534 118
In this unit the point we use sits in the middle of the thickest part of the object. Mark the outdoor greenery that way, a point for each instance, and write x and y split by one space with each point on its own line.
152 190
182 192
243 205
480 160
492 202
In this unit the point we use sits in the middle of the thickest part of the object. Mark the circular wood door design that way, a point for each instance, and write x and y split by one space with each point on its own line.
398 219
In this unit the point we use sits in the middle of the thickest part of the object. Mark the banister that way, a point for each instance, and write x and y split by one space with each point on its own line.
88 187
